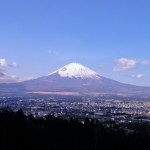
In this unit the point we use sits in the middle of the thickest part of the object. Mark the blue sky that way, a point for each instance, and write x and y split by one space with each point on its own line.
111 37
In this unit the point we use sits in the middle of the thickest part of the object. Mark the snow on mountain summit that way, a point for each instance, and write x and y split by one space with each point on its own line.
76 70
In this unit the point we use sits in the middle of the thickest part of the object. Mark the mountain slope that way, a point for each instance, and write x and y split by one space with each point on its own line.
74 79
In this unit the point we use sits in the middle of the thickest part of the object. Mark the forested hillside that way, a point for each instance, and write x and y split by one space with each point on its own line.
21 132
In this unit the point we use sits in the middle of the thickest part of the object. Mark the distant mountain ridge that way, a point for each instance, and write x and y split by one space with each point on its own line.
73 79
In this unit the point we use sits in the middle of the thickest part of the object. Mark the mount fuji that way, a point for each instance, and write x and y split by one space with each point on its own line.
73 79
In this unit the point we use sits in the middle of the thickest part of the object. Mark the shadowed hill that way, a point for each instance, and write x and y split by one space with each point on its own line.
49 133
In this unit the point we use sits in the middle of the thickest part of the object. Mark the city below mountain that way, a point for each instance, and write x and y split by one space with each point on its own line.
73 79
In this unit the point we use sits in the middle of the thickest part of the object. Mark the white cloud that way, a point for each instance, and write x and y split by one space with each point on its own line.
124 64
145 62
5 78
13 64
138 76
53 53
3 62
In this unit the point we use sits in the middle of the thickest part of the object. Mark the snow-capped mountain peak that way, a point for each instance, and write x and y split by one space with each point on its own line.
76 70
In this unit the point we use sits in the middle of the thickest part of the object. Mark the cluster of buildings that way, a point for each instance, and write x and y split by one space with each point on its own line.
110 109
